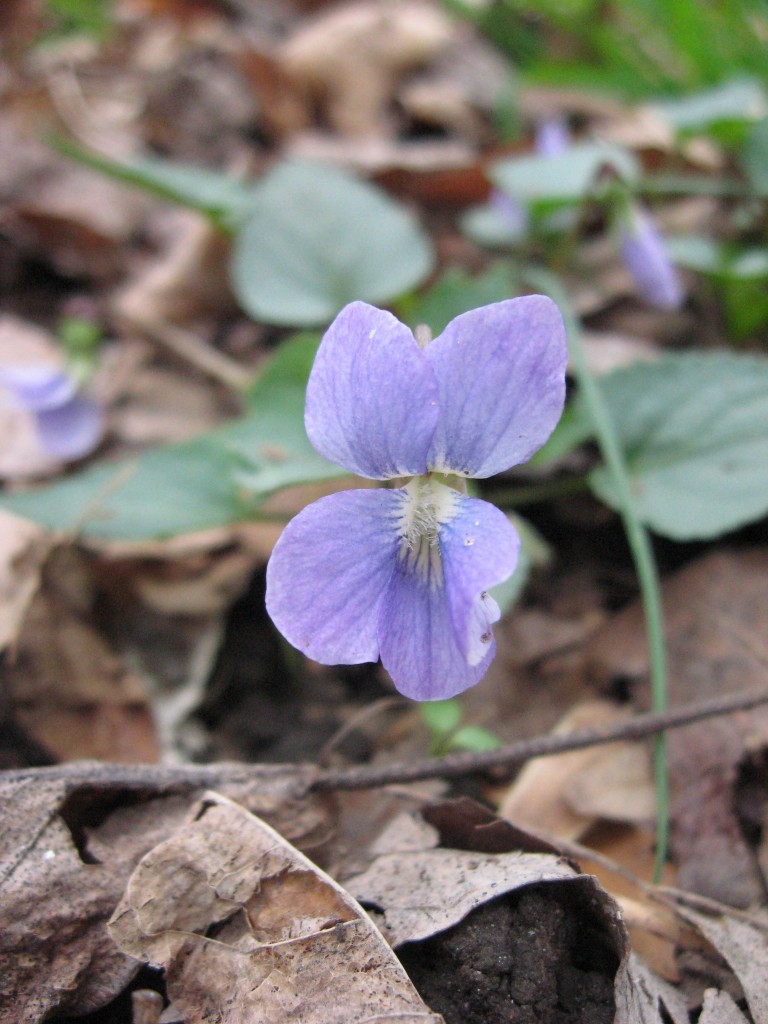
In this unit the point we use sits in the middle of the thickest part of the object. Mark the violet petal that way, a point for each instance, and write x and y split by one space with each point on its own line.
371 397
501 377
328 573
479 548
38 386
72 430
435 619
646 258
418 642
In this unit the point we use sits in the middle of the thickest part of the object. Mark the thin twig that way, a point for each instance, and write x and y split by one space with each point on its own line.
649 724
195 351
308 777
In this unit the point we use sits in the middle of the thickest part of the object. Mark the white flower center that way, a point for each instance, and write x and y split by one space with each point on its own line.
427 505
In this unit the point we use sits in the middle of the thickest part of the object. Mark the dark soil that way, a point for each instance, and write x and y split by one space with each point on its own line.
528 958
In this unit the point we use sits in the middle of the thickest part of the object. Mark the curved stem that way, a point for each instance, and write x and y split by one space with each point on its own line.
515 497
639 543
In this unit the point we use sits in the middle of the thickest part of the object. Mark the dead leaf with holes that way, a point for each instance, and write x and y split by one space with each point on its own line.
68 844
248 930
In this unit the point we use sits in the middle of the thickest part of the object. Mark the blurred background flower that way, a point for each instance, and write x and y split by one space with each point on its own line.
69 423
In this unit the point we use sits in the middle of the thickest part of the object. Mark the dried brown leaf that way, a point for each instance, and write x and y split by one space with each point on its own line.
186 279
67 848
711 606
249 930
23 550
423 892
68 689
503 927
78 221
744 946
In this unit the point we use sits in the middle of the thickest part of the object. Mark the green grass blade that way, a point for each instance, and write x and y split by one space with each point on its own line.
639 543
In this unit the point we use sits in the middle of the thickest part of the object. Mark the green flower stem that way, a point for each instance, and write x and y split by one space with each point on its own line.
639 543
517 497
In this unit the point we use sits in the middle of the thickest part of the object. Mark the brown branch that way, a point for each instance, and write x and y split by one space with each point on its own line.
181 778
365 776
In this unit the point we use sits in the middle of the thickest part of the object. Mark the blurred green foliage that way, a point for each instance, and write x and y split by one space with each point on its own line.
632 47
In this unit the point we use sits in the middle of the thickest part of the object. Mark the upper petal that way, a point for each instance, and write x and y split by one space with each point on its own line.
501 378
372 396
328 572
38 386
479 549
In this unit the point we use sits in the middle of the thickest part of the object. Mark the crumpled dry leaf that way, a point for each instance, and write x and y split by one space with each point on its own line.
719 1008
68 843
352 58
745 948
249 930
78 221
710 605
54 951
642 997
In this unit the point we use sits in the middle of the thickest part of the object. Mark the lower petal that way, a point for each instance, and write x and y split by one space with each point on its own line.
72 430
417 639
328 574
479 548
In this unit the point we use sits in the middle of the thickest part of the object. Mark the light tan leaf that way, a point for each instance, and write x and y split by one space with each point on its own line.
491 930
249 930
564 795
352 58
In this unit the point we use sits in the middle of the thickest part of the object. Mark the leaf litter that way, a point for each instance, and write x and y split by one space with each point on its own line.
122 649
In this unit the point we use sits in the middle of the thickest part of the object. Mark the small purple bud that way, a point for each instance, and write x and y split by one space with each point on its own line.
646 258
69 425
552 136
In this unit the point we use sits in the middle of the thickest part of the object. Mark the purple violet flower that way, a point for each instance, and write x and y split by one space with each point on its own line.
403 573
646 258
69 424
